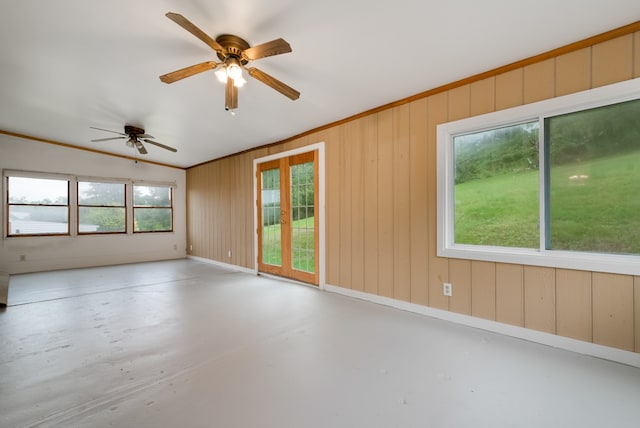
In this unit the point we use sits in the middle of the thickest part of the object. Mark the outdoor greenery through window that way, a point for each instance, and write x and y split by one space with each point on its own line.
101 207
303 226
37 206
594 180
496 187
152 208
541 183
40 204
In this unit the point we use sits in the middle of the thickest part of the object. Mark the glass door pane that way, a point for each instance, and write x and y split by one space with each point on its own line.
271 233
302 217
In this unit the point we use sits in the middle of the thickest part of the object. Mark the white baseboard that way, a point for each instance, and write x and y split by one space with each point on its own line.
578 346
224 265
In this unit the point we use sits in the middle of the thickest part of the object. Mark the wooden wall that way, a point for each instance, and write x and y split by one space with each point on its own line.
381 204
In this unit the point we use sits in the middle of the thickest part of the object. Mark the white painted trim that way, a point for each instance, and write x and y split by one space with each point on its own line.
568 344
224 265
321 202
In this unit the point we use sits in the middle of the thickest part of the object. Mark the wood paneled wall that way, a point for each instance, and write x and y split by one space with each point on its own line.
381 206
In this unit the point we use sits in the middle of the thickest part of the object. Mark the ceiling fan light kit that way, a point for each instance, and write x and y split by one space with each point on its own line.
235 53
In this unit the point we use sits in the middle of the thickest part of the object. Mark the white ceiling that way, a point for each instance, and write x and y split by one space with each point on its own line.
66 65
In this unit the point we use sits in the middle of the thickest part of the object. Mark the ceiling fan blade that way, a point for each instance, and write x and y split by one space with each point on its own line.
155 143
174 76
140 147
230 95
107 139
145 136
190 27
274 47
268 80
107 130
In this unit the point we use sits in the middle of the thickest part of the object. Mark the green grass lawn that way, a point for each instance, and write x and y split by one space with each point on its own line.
599 211
303 245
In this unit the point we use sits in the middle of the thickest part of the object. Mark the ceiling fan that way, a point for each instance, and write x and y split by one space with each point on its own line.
134 136
235 53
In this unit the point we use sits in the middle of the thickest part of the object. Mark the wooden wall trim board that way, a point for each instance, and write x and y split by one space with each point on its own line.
569 344
381 214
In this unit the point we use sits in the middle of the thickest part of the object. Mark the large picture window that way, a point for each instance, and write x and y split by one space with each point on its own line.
37 206
555 183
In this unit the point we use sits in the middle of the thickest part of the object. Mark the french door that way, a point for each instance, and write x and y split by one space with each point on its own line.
288 217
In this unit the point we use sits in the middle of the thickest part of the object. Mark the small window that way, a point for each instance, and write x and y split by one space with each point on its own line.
37 206
152 208
101 207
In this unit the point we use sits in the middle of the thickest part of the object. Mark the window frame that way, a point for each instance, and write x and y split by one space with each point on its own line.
446 247
134 207
79 205
7 174
73 206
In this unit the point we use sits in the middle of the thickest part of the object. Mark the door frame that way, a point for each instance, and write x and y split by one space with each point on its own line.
319 147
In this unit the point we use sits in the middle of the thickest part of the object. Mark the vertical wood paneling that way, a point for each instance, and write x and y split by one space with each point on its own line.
371 204
509 89
418 191
332 202
636 54
573 298
573 72
460 279
509 294
612 61
385 203
401 205
245 243
227 209
345 206
459 106
483 290
636 299
354 140
437 107
210 224
539 81
613 310
483 96
540 298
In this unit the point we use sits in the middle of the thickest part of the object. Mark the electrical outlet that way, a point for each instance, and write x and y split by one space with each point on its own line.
447 289
229 253
190 247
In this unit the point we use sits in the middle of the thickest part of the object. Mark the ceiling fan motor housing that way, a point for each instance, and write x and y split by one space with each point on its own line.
233 47
132 130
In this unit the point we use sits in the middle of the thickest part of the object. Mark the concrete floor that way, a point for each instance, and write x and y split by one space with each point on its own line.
187 344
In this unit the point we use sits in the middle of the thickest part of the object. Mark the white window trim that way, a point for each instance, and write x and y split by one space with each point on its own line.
446 247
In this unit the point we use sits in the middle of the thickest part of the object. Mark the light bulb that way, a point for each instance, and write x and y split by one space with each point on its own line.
234 71
239 82
221 75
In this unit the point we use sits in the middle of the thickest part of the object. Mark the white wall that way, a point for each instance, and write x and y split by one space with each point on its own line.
55 252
